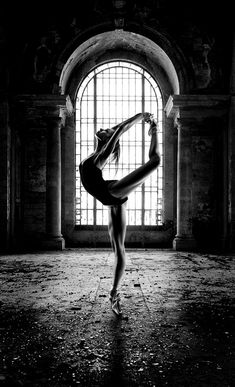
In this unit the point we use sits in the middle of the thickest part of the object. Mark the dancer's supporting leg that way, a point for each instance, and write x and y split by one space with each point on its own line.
117 232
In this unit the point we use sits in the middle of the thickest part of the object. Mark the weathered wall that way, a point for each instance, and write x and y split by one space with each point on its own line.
38 47
34 184
207 190
68 178
231 157
5 175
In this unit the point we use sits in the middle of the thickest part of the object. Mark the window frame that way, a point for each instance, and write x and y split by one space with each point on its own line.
80 92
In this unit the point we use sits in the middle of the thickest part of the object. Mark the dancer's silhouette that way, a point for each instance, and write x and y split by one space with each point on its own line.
114 193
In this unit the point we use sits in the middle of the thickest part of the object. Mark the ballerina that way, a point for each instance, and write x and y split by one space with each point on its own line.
114 193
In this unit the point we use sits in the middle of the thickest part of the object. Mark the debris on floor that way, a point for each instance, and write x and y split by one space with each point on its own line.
57 328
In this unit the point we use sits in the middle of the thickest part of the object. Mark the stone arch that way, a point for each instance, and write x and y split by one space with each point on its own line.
153 51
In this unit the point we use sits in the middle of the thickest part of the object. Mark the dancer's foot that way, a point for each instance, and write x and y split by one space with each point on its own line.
148 117
115 303
153 127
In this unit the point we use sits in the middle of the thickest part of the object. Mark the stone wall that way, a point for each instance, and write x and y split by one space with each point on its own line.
5 175
177 42
35 147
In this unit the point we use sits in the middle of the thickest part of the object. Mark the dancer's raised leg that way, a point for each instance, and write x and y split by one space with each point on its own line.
129 183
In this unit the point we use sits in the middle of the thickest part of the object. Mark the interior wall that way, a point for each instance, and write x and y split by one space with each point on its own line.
35 49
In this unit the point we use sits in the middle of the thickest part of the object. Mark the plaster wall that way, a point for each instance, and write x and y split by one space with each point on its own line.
35 147
182 49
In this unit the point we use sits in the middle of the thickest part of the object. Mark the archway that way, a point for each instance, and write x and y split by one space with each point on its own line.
112 93
140 50
118 45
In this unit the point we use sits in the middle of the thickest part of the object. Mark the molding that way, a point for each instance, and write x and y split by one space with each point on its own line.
46 100
177 103
41 107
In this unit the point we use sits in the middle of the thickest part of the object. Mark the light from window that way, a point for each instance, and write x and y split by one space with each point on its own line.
109 95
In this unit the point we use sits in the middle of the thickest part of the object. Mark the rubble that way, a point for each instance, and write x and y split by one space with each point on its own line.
57 328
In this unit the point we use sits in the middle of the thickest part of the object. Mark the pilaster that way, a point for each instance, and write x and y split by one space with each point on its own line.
191 113
49 112
54 237
231 156
231 173
5 174
184 239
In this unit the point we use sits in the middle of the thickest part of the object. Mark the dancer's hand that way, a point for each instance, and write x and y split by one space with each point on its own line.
148 117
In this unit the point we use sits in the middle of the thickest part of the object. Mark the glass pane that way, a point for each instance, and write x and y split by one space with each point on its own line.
118 96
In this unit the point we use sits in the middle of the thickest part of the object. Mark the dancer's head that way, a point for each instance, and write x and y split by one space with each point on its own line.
103 136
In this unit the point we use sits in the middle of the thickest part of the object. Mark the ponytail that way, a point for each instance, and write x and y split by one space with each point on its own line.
116 154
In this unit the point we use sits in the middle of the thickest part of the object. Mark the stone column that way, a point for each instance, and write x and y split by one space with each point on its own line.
231 156
191 113
54 237
184 239
5 175
231 171
49 112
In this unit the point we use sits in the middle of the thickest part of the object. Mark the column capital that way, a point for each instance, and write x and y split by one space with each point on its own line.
203 106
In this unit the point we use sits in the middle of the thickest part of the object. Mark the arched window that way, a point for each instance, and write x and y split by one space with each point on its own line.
108 95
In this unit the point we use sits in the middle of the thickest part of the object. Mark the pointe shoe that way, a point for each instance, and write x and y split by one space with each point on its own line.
148 117
153 127
115 304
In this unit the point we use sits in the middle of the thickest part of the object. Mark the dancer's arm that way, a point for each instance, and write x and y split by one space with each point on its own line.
125 125
118 131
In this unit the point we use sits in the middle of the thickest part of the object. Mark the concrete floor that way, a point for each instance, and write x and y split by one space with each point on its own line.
57 329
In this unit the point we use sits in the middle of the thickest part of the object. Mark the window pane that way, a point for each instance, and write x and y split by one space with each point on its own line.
110 94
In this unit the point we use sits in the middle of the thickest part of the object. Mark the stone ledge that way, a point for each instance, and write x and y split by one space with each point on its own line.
193 102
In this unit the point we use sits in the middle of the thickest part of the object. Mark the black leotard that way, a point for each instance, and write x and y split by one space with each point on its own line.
93 182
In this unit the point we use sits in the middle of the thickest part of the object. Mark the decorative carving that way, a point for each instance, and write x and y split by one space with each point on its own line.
119 9
148 12
43 55
119 23
201 63
198 46
119 5
42 61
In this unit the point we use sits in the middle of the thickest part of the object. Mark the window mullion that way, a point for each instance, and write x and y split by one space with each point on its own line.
143 151
135 90
80 145
95 130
